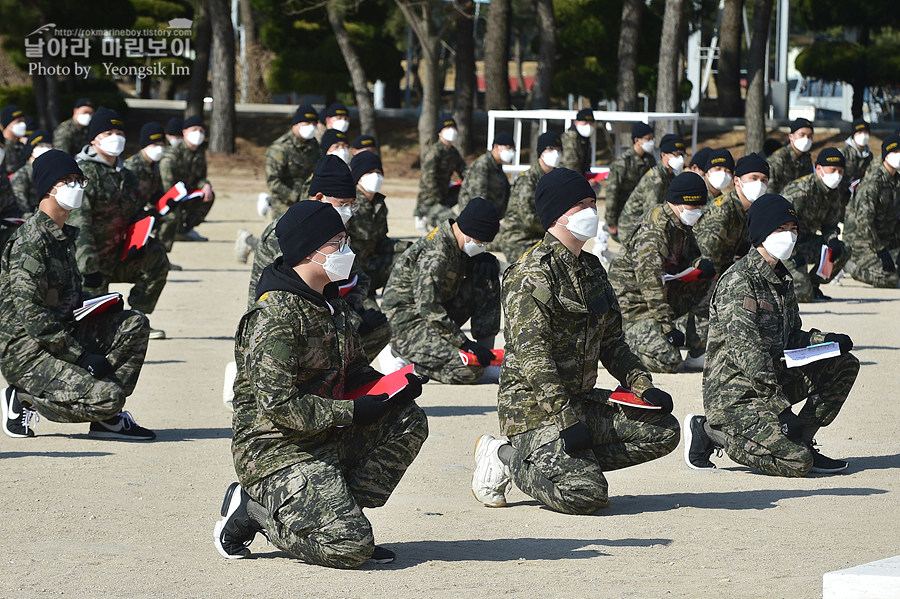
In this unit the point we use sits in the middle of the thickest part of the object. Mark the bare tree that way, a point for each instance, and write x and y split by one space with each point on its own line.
496 56
464 86
755 108
364 102
221 130
543 77
254 68
728 79
200 66
669 57
632 13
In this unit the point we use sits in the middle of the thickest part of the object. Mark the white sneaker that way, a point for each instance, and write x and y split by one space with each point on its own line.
157 333
492 477
228 387
242 248
263 205
695 364
421 224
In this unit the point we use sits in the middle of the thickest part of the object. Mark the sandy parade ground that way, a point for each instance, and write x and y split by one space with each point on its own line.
91 518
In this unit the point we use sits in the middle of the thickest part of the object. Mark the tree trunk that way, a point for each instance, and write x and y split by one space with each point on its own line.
464 86
200 66
255 72
546 63
39 84
357 74
728 79
669 53
755 108
862 71
496 56
632 12
221 130
517 54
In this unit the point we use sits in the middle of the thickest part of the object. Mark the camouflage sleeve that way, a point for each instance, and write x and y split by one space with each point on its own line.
613 201
864 205
431 273
201 169
358 371
649 244
428 185
616 356
21 188
778 175
571 153
274 166
474 184
85 246
713 233
60 139
461 166
830 226
167 166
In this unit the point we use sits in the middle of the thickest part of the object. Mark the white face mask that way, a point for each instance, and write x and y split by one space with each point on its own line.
343 154
372 182
648 146
195 138
39 150
831 180
893 159
449 134
19 129
583 224
155 152
341 125
690 216
584 130
345 212
337 264
780 245
69 198
83 118
112 145
551 158
676 163
174 141
861 139
803 144
471 248
719 179
307 130
506 156
753 190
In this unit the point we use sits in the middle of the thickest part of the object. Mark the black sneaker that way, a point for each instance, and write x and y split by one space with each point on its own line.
818 296
698 447
822 464
121 427
236 530
17 414
382 556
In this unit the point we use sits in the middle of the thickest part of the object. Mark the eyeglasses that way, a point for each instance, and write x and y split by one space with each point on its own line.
73 184
341 243
353 206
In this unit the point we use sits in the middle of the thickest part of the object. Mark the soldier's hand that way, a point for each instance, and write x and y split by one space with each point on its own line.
887 262
576 438
371 320
412 390
837 248
486 266
675 337
844 341
96 365
94 279
482 353
791 424
369 408
799 259
658 397
707 269
134 253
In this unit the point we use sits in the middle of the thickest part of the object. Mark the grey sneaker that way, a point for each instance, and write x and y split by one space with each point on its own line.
121 427
698 447
242 247
236 530
17 414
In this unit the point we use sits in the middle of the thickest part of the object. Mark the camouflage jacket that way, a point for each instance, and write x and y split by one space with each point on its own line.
148 178
660 245
721 232
857 165
180 163
521 224
753 318
486 179
9 201
17 155
785 166
429 274
22 183
70 137
624 174
576 151
40 286
297 354
289 163
368 227
818 209
439 164
650 192
111 204
873 215
561 320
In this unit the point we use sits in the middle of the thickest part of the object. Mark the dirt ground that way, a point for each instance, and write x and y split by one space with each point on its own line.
88 518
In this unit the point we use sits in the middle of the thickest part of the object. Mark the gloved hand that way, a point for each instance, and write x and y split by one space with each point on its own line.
844 341
675 337
887 263
791 425
837 248
134 253
369 408
371 320
412 390
576 438
485 266
799 259
707 269
96 365
658 397
483 354
94 279
171 203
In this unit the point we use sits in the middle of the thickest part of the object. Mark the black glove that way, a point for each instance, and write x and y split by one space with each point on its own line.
371 320
844 341
98 366
887 263
369 408
675 337
94 279
134 253
412 390
800 260
707 269
837 248
171 203
658 397
483 354
576 438
485 266
791 425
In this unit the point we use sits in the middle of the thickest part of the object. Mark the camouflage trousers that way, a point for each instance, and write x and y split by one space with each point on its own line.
574 484
166 229
866 267
806 281
191 213
436 209
379 265
63 392
755 439
148 271
315 506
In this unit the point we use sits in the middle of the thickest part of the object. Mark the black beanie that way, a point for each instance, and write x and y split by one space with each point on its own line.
331 137
152 133
446 123
479 220
701 158
362 163
174 126
890 144
687 188
859 125
721 157
751 163
503 139
557 191
671 143
639 130
50 167
305 113
548 140
766 214
38 136
585 114
10 113
84 102
31 125
193 121
304 228
336 109
831 157
800 124
364 142
105 119
332 178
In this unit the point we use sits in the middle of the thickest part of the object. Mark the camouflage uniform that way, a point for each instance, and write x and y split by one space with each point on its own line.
376 253
22 183
857 164
521 229
753 319
785 166
624 174
650 192
17 155
873 224
9 208
289 163
661 244
721 232
70 137
485 179
562 319
180 163
295 447
576 151
819 210
151 189
434 200
40 341
431 293
111 205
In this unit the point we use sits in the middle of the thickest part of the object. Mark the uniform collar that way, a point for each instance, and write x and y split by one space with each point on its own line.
777 277
43 221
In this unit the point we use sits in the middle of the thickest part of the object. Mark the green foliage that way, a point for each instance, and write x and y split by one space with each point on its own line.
21 95
102 91
820 15
854 63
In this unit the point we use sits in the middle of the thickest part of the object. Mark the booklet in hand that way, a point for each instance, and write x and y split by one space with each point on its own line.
625 397
806 355
176 193
137 234
826 264
470 358
97 305
687 275
392 384
13 221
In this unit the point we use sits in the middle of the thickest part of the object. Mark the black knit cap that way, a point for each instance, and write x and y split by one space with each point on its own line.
701 158
720 157
859 125
304 228
332 178
152 133
800 124
31 125
364 142
557 191
671 143
548 140
503 139
193 121
687 188
38 136
174 126
10 113
84 102
446 123
479 220
890 144
766 214
585 114
336 109
639 130
362 163
305 113
751 163
50 167
105 119
331 137
831 157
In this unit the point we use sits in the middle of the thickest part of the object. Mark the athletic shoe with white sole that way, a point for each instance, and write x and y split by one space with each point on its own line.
242 247
17 415
491 478
698 446
236 530
382 556
157 334
695 364
822 464
122 427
